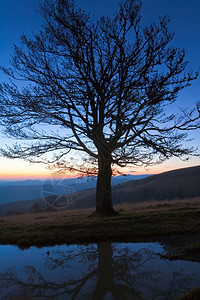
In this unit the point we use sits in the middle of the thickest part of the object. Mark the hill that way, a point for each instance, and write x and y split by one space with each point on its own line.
176 184
181 183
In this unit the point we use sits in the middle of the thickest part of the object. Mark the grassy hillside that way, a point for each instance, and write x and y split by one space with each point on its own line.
145 222
182 183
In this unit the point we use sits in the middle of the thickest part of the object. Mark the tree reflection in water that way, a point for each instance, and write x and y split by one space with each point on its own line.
101 271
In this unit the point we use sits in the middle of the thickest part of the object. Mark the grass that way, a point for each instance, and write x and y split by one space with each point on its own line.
192 295
136 222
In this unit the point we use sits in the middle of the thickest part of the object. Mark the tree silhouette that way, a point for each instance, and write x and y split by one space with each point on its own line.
99 87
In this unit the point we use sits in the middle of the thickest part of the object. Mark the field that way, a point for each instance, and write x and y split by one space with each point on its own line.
146 221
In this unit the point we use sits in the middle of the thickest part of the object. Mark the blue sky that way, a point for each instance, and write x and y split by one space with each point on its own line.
19 16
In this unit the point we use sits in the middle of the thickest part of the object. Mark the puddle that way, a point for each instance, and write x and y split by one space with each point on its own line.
96 271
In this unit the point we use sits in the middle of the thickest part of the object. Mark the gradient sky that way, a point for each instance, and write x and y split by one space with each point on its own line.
19 16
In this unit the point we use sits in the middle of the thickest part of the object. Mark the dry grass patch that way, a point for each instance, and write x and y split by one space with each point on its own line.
136 221
193 203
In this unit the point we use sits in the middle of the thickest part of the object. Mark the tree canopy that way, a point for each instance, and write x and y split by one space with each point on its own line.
104 83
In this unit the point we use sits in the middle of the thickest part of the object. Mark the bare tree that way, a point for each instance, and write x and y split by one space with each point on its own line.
105 85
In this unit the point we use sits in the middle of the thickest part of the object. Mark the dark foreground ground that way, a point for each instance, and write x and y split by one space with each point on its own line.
136 222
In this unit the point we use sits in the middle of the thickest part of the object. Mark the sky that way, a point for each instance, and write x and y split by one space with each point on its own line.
19 16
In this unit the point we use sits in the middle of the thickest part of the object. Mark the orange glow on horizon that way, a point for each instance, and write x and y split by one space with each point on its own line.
19 170
24 171
31 176
23 174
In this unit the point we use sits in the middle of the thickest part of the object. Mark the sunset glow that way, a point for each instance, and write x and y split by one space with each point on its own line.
20 170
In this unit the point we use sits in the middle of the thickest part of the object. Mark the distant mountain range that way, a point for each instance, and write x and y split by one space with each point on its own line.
181 183
11 191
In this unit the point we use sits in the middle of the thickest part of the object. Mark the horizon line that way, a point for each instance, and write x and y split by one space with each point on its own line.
24 177
28 177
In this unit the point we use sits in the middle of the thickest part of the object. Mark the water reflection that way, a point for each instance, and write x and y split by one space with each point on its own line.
102 271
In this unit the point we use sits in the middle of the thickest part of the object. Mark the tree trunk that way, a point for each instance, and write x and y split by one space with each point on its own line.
103 191
105 271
